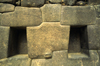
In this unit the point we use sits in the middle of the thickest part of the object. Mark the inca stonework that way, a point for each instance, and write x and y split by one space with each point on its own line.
49 32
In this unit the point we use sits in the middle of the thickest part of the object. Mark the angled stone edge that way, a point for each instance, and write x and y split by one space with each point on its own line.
6 8
98 21
22 16
77 56
48 37
93 37
78 15
18 60
93 60
51 12
4 41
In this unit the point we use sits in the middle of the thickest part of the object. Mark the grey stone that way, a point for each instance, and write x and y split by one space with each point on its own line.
93 60
32 2
48 37
6 7
57 1
4 41
93 2
18 60
97 21
22 16
51 12
71 2
93 37
97 8
59 59
78 15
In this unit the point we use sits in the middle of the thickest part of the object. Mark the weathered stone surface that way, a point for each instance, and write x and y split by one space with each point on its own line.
1 1
6 7
78 15
59 59
97 8
93 60
0 18
93 2
93 37
32 2
22 16
57 1
98 21
51 12
18 60
71 2
48 37
99 57
4 40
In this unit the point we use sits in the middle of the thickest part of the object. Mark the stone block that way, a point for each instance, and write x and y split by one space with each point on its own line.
93 60
93 2
32 2
59 59
6 7
97 8
78 15
93 37
57 1
18 60
46 38
98 21
22 16
4 40
51 12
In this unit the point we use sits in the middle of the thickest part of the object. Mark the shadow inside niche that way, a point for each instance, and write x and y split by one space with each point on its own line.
17 41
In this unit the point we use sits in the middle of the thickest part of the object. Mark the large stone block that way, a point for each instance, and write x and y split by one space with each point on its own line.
48 37
18 60
32 2
93 37
51 12
78 15
93 60
4 40
60 59
6 7
22 16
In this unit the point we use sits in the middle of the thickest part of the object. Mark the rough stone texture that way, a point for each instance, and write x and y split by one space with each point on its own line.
93 2
18 60
93 37
60 59
99 57
32 2
78 15
4 38
1 1
71 2
6 7
22 16
51 12
97 8
57 1
98 21
93 60
48 37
